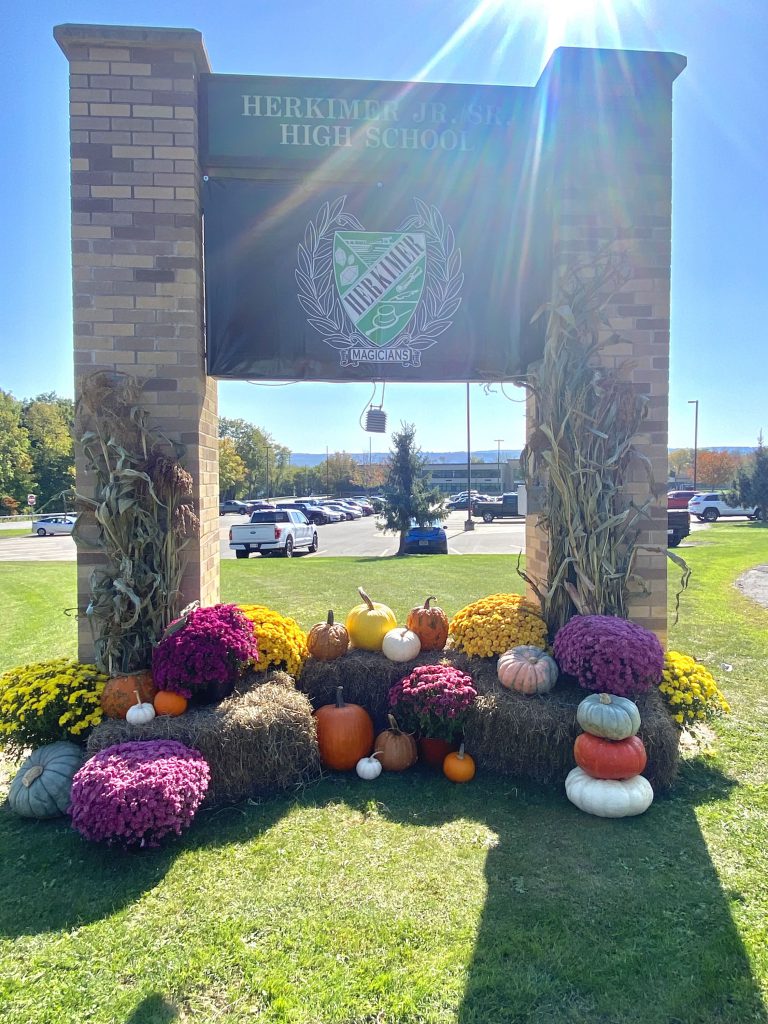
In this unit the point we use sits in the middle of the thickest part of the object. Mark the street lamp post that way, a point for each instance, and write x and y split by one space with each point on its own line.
267 449
468 524
498 461
695 402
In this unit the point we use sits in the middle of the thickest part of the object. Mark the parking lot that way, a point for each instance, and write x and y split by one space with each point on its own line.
358 538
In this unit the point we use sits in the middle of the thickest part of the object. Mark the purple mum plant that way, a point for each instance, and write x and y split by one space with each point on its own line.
433 701
609 655
206 655
135 794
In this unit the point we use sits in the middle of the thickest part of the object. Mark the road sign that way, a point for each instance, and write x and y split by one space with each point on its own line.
31 499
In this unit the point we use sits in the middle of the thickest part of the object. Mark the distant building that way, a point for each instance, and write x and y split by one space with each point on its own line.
451 477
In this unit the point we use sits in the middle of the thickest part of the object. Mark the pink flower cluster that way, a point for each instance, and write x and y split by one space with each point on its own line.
609 655
207 654
433 701
135 794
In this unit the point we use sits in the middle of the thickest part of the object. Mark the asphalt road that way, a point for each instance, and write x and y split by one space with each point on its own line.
358 538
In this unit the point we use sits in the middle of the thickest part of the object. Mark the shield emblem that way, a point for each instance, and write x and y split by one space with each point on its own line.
379 277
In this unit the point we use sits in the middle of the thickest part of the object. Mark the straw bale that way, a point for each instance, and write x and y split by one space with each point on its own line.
530 737
258 742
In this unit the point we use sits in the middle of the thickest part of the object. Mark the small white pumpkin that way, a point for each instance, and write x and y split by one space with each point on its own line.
139 714
401 644
369 768
608 798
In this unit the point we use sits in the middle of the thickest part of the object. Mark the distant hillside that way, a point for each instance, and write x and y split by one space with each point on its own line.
315 458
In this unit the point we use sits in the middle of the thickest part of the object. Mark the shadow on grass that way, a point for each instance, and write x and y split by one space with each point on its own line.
155 1009
52 879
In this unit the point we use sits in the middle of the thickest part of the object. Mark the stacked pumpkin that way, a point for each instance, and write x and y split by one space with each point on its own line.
610 756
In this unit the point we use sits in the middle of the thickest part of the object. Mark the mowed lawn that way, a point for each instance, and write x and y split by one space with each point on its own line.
411 900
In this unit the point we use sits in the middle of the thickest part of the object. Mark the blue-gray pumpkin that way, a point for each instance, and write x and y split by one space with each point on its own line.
43 783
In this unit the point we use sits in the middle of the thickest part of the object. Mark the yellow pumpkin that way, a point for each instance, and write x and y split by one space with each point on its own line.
369 622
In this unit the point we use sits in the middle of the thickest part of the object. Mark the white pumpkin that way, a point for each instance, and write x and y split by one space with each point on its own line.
139 714
369 768
400 644
608 798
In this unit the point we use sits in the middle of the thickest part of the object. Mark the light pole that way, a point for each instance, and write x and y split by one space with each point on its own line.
498 461
695 402
468 524
267 449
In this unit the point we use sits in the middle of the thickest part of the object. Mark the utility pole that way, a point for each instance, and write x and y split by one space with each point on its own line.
468 524
695 402
327 468
498 441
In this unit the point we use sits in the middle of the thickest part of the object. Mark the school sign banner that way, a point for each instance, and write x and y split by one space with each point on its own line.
362 230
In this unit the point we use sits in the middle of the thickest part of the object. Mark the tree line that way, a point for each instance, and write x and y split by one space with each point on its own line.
36 450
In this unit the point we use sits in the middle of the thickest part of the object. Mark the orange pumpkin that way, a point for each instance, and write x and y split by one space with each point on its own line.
168 703
610 759
120 693
396 749
328 640
344 733
458 766
429 624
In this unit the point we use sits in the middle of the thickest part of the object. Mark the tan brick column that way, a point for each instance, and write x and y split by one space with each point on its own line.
607 162
137 249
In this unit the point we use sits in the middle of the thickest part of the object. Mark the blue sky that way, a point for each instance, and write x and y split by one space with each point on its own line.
720 219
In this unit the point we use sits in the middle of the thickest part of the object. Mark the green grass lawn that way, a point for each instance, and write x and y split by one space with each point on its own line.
411 900
20 531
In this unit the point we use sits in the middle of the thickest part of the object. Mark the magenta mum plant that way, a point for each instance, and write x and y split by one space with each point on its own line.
136 793
609 655
207 655
433 701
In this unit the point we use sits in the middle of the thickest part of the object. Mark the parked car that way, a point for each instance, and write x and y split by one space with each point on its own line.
231 506
679 499
314 513
337 507
678 526
709 507
428 539
332 515
53 525
457 504
279 532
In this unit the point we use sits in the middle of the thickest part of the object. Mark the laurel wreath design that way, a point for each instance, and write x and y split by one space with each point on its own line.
318 297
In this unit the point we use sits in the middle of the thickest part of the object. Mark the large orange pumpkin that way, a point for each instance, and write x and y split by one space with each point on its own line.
429 624
344 733
120 693
610 759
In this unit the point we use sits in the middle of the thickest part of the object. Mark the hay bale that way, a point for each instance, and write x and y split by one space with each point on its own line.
506 732
366 677
532 737
258 742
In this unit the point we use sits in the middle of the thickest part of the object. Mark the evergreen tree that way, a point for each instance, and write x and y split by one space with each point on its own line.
407 499
752 485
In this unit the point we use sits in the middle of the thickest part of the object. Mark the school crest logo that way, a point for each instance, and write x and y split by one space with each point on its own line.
379 296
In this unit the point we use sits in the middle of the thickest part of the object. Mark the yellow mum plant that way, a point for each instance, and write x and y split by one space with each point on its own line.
690 690
49 701
494 624
282 642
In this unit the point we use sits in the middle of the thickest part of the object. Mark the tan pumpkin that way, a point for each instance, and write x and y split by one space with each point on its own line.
396 749
429 624
527 669
328 640
120 693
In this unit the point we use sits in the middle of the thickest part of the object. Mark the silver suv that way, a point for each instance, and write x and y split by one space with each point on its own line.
709 507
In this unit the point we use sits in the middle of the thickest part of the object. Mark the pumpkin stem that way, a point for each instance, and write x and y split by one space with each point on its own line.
340 697
394 726
329 620
138 698
605 698
426 603
31 774
365 597
460 754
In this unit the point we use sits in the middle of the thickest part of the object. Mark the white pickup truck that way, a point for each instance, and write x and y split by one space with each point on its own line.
277 532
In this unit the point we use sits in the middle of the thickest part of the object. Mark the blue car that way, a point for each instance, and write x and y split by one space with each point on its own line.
426 540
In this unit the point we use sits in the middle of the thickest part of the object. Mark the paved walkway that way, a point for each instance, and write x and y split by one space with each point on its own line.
754 584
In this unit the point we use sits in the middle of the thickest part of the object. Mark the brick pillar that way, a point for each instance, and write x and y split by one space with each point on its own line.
137 250
607 160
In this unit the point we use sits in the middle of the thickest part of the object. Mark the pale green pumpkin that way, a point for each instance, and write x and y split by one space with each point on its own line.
609 716
42 786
